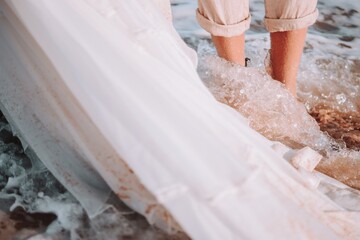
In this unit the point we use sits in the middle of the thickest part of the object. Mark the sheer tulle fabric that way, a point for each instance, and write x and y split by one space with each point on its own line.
107 96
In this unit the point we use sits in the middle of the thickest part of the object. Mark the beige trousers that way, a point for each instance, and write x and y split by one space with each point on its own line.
229 18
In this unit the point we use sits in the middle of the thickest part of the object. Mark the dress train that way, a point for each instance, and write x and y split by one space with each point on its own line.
106 94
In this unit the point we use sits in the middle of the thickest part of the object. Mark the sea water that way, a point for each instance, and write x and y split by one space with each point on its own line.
325 117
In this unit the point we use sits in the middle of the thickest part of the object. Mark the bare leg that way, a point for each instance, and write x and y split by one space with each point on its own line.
285 56
231 48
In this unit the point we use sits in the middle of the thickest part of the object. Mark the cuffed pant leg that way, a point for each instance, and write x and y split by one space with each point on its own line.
225 18
287 15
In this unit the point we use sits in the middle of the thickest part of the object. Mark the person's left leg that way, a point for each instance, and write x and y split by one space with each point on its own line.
287 22
285 56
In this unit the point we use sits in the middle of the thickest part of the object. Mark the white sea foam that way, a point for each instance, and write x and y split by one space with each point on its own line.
27 184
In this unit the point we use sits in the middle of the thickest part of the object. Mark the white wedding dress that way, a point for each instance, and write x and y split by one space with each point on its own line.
107 96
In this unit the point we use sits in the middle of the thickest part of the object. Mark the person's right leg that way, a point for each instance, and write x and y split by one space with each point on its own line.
226 21
231 48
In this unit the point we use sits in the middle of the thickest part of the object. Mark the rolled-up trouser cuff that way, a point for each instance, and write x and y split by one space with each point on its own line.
282 25
216 29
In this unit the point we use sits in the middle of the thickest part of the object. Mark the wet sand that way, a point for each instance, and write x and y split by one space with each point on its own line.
344 127
19 224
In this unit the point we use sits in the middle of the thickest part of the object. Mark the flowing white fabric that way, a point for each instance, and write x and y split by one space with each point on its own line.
107 95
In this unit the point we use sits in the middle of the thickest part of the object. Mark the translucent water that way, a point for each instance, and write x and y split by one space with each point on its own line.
272 111
270 108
